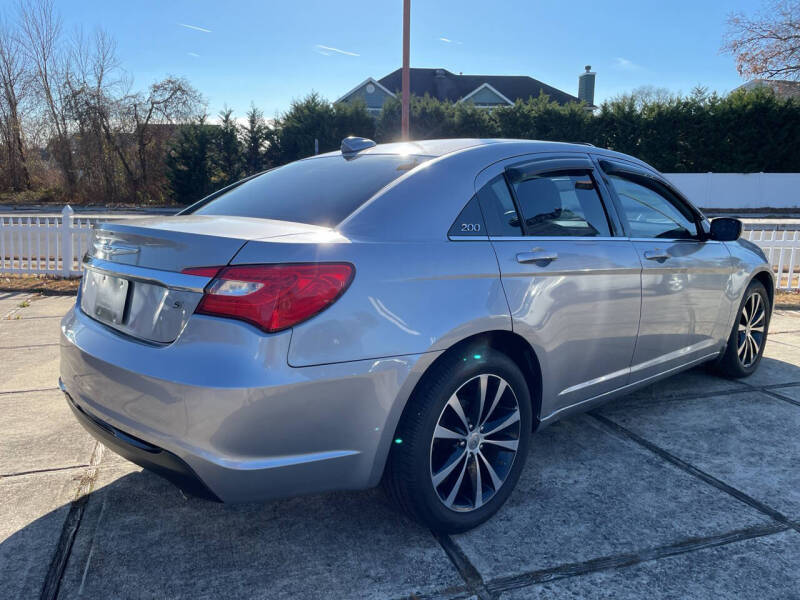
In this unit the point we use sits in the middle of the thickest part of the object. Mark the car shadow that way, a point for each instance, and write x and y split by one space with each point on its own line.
139 536
136 534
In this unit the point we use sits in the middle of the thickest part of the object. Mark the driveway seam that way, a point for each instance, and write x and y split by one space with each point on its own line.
48 389
37 471
779 397
632 558
774 386
696 472
28 346
17 308
774 341
465 568
628 403
55 572
17 320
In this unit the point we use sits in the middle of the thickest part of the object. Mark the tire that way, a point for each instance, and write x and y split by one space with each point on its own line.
436 462
749 334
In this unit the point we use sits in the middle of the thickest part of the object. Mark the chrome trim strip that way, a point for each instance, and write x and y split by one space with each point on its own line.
635 368
468 238
566 238
596 380
172 280
682 367
672 355
666 240
575 238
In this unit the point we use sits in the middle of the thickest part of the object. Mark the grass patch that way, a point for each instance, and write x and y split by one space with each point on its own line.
38 284
787 299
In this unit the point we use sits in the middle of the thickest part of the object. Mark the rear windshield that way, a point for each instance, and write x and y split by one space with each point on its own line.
320 191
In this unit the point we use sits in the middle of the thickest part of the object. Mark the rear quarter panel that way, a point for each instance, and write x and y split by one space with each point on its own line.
406 297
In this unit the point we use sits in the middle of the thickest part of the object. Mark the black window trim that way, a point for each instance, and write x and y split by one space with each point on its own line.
456 237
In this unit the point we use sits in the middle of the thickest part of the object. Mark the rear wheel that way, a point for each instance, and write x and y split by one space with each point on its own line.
462 441
749 335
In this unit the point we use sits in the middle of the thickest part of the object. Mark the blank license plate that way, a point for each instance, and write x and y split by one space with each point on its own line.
103 296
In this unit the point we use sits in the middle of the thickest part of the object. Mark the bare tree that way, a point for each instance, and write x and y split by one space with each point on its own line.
143 125
92 82
767 44
41 36
13 88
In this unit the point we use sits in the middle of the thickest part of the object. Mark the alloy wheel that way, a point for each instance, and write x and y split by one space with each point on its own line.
752 327
475 443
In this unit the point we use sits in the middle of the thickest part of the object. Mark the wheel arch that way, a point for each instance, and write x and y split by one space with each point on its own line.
766 278
509 343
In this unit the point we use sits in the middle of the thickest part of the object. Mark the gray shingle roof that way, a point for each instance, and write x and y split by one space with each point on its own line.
783 88
449 86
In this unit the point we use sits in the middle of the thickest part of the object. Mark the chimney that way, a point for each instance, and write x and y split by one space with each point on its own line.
586 86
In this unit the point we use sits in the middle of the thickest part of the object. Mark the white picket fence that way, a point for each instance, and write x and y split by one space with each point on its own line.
782 247
56 245
44 245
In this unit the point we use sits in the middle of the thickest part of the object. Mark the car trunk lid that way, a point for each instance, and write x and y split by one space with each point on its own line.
134 282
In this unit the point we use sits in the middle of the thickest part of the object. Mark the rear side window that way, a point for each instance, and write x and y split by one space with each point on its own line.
561 204
320 191
498 208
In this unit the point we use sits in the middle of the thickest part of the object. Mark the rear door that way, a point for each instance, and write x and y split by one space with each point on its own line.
572 284
684 278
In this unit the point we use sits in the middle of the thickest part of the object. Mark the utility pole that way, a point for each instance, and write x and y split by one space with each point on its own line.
406 72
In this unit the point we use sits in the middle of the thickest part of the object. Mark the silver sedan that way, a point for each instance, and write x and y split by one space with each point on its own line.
408 313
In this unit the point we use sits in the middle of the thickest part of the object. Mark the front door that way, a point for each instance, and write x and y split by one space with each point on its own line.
572 285
684 308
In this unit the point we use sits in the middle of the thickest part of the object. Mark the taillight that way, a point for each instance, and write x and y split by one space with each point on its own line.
272 297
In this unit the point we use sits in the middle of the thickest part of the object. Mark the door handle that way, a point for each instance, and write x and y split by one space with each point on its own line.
657 254
536 256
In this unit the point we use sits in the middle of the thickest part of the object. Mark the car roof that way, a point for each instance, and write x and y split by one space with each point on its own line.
448 176
442 147
428 148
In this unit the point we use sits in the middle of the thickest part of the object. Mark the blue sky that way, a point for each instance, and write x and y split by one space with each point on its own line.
269 52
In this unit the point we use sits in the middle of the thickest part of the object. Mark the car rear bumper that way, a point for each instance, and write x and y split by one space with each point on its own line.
221 408
140 452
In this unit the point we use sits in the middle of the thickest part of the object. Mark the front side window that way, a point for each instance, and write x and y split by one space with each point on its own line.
561 204
650 214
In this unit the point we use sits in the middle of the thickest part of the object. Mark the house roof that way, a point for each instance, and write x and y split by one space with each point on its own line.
783 88
444 85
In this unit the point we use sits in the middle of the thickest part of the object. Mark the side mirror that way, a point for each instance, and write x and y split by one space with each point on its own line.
726 229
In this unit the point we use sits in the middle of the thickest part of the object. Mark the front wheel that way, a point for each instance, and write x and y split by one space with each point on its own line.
749 335
462 441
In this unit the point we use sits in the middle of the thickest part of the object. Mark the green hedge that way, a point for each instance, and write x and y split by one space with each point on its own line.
744 132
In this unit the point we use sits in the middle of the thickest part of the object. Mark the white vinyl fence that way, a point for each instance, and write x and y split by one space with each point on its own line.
44 245
56 245
782 247
759 191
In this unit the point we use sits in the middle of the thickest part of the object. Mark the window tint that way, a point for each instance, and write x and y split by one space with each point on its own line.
498 208
320 191
561 204
649 214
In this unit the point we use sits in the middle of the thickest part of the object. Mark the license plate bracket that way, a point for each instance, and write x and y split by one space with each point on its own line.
104 297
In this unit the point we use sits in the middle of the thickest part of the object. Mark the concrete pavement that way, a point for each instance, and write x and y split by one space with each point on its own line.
689 488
